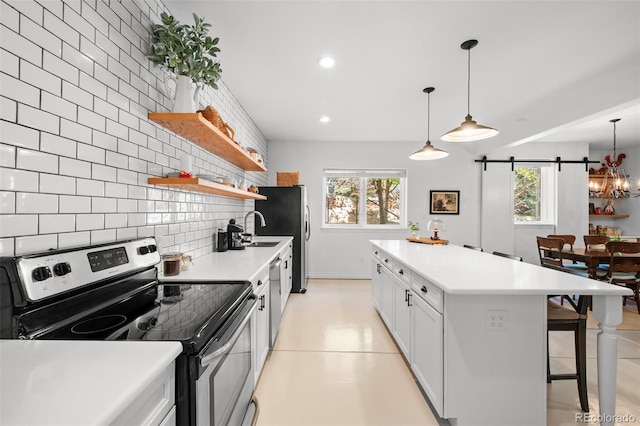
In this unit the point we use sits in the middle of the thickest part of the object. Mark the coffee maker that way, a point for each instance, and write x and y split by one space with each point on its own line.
234 236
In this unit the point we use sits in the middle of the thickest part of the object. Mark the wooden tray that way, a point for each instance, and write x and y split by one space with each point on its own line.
427 241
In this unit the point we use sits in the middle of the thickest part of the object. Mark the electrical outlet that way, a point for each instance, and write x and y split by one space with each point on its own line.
496 320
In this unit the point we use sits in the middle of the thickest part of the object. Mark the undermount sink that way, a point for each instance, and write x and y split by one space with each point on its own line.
263 244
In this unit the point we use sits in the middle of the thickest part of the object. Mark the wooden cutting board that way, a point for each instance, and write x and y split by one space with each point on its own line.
427 241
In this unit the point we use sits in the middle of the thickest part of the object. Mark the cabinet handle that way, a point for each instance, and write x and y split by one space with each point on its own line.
406 295
386 261
263 297
259 283
286 264
375 252
378 267
424 289
401 272
409 298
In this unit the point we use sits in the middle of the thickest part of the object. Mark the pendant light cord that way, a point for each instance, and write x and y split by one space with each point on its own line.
428 116
614 141
468 81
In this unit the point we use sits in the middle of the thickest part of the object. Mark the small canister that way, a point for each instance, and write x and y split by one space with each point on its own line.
171 263
186 260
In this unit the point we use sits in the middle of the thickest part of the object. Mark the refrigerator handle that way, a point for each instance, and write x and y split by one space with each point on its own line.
307 227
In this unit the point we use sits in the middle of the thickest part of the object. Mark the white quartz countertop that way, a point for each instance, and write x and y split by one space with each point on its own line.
232 265
53 382
458 270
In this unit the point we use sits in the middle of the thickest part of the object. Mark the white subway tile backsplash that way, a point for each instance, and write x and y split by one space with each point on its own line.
91 153
103 236
45 39
95 19
89 187
74 204
38 161
37 119
58 145
91 119
126 234
117 129
105 109
29 202
146 231
53 7
127 206
115 190
9 17
73 18
71 167
14 134
93 86
118 220
57 223
154 218
8 109
55 184
74 239
69 35
127 176
116 99
40 78
18 180
75 131
57 105
103 140
7 247
36 243
117 160
20 46
12 225
105 77
146 154
87 222
106 173
136 165
103 205
137 219
7 202
137 192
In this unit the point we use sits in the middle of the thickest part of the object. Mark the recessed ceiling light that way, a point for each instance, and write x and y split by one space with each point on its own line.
327 62
324 119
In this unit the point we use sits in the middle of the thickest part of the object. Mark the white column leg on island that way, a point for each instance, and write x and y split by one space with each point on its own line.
607 310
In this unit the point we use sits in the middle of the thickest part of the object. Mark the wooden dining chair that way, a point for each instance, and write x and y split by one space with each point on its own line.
572 317
544 245
597 242
508 256
473 247
569 240
625 270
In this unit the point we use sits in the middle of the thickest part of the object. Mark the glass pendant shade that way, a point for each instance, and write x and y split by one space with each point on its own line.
435 225
428 152
469 130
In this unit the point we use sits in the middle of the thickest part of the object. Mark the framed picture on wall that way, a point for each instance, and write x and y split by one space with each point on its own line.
444 202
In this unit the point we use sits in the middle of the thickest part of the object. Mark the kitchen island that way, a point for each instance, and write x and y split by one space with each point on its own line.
473 328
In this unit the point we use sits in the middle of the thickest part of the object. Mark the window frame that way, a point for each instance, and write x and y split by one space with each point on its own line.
363 175
548 194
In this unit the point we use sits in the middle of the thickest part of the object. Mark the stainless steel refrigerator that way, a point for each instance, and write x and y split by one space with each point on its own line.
286 212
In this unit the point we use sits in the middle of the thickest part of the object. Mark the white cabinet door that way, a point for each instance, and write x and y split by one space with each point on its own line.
376 283
261 315
402 302
427 350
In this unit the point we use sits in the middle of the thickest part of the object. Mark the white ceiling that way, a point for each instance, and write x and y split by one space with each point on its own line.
554 71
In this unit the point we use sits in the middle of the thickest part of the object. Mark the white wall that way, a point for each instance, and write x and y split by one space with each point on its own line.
76 146
345 254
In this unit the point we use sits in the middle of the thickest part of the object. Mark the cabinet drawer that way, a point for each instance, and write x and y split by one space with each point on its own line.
427 291
386 260
401 271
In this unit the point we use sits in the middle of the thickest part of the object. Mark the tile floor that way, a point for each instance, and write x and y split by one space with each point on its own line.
334 363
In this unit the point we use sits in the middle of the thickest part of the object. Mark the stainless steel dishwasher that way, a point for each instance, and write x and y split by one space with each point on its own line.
275 299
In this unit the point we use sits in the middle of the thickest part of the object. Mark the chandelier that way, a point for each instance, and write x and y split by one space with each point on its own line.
615 182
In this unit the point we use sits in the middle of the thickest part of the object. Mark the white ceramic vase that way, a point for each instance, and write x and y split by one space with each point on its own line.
184 98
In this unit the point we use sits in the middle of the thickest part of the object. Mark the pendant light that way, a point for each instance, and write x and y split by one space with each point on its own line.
469 130
615 183
428 151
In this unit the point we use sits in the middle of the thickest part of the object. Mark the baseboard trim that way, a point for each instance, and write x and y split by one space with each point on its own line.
340 276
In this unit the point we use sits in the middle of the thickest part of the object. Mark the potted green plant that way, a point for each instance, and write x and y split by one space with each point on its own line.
186 51
415 229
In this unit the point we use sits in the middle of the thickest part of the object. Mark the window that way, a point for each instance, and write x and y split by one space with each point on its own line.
534 194
364 198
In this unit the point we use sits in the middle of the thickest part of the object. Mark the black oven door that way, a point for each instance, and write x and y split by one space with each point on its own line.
225 380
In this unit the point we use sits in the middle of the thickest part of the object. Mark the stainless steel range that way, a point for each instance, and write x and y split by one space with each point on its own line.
111 292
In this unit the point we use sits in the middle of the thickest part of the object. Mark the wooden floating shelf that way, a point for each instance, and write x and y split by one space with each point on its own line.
613 216
197 129
427 241
205 186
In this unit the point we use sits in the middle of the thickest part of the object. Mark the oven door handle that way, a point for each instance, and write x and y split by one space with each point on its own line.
229 341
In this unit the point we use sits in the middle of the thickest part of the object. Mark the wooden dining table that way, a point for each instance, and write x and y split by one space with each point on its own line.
590 257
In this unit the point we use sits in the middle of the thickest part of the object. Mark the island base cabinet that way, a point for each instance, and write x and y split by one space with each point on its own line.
427 351
483 360
401 331
386 308
261 329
